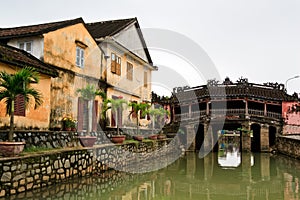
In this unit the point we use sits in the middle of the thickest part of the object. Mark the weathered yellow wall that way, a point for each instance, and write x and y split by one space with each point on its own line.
60 50
38 118
136 85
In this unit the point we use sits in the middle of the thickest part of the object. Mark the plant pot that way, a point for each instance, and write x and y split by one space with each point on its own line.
118 139
160 137
87 141
9 149
68 129
153 137
138 137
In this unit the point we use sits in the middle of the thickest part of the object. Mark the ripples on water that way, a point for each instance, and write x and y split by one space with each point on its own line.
224 175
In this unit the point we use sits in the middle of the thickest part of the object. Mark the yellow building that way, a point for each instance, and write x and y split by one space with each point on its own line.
129 66
11 61
68 47
110 55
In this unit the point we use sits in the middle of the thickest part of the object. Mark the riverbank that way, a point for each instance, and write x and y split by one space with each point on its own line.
37 170
289 145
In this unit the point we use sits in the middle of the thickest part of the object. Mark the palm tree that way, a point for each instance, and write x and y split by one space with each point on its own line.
138 108
12 85
156 113
115 105
89 93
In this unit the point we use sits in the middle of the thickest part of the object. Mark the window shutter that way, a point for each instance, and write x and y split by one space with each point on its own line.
113 120
80 114
95 114
145 79
19 105
129 71
118 66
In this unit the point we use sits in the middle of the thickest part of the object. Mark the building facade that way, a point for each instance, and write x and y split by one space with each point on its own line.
12 60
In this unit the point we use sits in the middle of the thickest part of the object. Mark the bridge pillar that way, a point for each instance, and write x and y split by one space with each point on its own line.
264 138
208 139
245 138
190 137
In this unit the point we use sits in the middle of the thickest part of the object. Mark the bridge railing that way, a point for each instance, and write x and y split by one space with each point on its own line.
225 112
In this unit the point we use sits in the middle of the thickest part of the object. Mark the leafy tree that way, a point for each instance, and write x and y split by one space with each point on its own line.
12 85
138 108
156 113
89 93
115 105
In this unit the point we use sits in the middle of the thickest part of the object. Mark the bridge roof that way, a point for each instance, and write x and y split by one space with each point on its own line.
249 90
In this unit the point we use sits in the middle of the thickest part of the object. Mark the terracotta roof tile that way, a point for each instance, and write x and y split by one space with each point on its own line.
108 28
32 30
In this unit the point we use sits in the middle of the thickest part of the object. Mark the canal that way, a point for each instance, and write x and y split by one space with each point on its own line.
227 174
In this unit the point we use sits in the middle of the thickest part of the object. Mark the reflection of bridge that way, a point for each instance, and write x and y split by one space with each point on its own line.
203 111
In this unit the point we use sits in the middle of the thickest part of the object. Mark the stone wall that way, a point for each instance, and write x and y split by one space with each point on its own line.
52 139
37 170
289 145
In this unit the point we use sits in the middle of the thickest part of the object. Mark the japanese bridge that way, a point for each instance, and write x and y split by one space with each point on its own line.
206 110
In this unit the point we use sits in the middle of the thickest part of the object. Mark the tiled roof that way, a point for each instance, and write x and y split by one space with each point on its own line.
33 30
108 28
235 91
20 58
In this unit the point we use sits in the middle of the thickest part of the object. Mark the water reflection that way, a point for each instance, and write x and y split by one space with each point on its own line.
252 177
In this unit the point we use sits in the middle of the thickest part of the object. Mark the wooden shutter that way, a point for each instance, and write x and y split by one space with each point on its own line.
129 71
145 79
118 66
113 120
19 105
95 115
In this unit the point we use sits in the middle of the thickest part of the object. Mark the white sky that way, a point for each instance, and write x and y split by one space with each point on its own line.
256 39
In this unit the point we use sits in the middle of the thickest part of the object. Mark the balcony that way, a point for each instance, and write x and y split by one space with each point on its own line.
226 112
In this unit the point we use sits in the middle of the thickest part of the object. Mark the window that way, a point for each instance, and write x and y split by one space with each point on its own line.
19 105
145 79
79 57
115 64
26 46
129 71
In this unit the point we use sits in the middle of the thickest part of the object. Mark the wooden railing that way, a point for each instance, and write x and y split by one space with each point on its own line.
225 112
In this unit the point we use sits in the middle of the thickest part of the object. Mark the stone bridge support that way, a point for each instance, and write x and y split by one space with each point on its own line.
245 137
190 137
264 138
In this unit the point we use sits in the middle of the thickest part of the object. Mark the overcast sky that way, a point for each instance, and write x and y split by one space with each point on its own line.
256 39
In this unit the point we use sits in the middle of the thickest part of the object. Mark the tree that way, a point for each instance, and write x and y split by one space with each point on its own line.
12 85
157 113
115 105
138 108
89 93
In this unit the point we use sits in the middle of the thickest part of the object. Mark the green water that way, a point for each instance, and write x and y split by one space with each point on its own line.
223 175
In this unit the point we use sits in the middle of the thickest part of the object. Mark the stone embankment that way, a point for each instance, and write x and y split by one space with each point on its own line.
289 145
42 169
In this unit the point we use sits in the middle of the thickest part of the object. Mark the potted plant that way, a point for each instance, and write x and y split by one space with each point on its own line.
89 93
12 85
69 124
116 105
